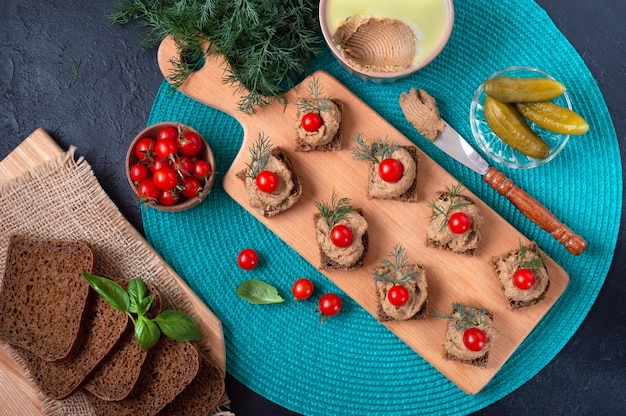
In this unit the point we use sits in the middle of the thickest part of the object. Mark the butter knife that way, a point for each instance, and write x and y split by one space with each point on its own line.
455 145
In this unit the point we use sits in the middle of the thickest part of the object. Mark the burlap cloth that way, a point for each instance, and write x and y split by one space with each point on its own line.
62 199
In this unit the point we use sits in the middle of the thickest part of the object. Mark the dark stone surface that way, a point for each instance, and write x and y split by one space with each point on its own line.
89 84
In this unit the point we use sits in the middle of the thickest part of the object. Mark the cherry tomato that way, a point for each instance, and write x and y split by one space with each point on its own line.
191 187
311 122
201 169
247 259
341 235
329 304
267 181
168 198
139 172
158 164
398 295
165 148
165 178
144 149
148 190
189 143
474 339
524 279
459 222
167 132
302 289
390 170
183 166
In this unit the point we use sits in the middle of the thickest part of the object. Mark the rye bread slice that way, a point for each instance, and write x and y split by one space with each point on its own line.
333 145
201 396
326 263
117 375
474 229
103 327
411 194
419 283
170 368
43 295
498 262
480 361
270 211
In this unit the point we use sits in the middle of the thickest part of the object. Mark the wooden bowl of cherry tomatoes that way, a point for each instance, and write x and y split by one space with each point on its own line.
170 166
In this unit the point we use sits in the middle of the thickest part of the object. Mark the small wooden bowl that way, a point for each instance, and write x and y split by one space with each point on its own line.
205 153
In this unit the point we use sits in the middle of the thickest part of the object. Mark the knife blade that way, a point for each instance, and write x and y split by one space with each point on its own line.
455 145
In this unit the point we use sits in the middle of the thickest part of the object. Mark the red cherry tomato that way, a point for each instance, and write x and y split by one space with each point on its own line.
329 304
165 178
201 169
398 295
148 190
167 132
459 222
189 143
311 122
144 148
267 181
390 170
247 259
191 187
168 198
158 164
138 172
183 166
474 339
302 288
165 148
524 279
341 235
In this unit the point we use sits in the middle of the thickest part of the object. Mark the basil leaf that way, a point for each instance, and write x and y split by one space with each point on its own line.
258 292
136 291
146 332
113 293
178 325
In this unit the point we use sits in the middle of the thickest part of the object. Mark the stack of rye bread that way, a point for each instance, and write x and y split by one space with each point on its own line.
68 339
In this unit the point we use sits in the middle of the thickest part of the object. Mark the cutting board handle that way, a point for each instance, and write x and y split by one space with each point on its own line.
535 211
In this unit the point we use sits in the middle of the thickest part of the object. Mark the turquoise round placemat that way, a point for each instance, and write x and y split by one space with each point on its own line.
351 364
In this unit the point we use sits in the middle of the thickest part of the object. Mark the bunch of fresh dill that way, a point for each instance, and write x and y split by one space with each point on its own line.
268 44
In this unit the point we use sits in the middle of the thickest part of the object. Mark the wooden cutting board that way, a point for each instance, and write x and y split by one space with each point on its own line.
17 396
451 277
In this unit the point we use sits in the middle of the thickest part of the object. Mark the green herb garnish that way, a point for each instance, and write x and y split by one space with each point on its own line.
134 302
334 211
536 262
259 155
267 44
468 316
397 270
377 152
455 203
318 103
258 292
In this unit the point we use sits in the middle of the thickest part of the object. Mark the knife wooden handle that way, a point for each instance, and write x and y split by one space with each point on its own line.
535 211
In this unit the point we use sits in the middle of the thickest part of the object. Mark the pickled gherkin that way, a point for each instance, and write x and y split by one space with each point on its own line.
507 123
518 90
553 117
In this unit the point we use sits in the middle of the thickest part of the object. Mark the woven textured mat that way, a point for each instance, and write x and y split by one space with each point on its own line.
351 364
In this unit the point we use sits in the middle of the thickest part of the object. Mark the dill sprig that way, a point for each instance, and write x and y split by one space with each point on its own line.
334 211
318 103
468 316
399 264
259 155
267 44
536 262
377 152
455 203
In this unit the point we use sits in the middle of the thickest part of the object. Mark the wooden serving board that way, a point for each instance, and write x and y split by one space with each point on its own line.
17 396
451 277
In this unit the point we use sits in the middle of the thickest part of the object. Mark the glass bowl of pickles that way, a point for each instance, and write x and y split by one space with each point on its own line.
522 117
